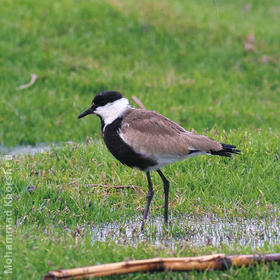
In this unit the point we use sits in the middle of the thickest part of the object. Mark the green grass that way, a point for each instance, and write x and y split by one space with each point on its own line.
184 59
78 48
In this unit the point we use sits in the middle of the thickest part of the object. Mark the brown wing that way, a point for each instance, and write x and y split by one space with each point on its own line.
151 133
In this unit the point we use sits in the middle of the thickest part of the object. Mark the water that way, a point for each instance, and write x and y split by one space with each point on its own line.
184 230
193 232
25 149
34 149
31 150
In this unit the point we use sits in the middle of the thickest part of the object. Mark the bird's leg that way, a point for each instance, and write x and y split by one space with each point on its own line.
166 191
149 198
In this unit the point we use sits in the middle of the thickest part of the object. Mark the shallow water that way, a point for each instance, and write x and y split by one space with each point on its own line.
184 230
25 149
31 150
193 231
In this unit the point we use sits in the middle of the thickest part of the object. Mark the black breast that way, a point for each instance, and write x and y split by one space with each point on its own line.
121 151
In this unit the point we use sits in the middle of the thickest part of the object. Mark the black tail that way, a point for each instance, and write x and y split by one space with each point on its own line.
227 151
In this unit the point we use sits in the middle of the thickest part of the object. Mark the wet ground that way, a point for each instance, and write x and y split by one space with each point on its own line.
25 149
184 230
193 231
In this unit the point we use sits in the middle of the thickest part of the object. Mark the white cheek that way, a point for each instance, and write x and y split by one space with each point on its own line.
104 111
112 111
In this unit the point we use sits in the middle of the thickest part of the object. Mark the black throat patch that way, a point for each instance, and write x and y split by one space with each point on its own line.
121 151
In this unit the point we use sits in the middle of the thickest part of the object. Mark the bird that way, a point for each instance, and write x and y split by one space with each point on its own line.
148 141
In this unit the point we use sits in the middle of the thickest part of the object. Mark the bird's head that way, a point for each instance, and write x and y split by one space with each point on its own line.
108 105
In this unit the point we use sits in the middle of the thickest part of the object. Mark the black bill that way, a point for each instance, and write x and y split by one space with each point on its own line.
86 112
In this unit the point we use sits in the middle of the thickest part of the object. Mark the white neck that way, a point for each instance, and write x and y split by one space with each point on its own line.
112 111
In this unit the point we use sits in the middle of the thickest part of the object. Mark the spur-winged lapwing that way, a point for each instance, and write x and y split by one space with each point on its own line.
147 140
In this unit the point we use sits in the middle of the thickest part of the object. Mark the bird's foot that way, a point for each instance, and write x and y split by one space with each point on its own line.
142 225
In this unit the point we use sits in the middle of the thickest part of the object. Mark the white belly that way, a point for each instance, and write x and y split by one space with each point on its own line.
163 160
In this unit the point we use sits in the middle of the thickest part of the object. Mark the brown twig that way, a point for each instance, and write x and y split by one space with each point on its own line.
218 261
33 79
116 187
138 102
